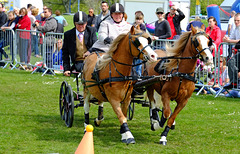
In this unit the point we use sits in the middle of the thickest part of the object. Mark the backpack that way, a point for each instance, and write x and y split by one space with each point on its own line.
59 28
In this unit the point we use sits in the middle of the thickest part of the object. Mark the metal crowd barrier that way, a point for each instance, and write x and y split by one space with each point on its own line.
206 75
161 43
52 53
230 56
31 50
7 41
28 49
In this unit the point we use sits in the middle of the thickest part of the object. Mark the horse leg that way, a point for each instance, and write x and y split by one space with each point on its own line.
125 105
86 109
171 121
166 110
153 110
163 120
125 132
100 117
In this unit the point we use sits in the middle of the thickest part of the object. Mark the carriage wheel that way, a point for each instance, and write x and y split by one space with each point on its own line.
131 110
62 99
69 107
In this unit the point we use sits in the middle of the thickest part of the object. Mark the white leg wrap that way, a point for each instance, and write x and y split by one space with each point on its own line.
174 123
127 135
158 100
163 139
153 106
101 104
86 107
85 125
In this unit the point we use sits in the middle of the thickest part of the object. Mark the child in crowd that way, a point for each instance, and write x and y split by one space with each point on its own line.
8 36
57 55
139 21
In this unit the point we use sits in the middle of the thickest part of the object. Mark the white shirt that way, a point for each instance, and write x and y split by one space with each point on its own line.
77 32
235 35
231 22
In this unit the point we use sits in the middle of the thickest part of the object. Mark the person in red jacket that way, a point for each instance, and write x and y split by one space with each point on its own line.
24 23
214 32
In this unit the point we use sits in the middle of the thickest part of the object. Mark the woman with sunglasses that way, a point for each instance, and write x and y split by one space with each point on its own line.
162 29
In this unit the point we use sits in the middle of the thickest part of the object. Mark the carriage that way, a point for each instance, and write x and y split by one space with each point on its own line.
108 78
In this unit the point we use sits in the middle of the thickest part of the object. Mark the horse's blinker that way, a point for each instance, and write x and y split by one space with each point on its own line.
136 43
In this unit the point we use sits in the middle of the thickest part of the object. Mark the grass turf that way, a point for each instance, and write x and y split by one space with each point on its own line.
31 123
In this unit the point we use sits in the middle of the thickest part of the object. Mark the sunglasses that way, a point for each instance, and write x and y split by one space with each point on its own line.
173 9
159 12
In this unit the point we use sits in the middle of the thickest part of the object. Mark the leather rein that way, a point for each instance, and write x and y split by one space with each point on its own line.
121 77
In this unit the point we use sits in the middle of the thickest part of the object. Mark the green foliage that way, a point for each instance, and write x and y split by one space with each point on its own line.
63 5
204 4
31 123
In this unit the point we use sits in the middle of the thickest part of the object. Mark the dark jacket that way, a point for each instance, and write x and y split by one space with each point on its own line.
162 29
69 44
176 20
98 20
91 20
3 18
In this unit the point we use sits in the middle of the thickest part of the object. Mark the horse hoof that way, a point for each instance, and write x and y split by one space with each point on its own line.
95 123
155 126
152 127
98 122
129 141
163 142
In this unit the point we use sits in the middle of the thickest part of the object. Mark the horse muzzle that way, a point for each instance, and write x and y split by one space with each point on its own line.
150 55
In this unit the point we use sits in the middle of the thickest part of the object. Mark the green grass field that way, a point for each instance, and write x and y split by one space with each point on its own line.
30 122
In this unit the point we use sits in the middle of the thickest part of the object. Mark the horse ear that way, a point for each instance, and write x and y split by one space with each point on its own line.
203 27
138 27
193 29
132 30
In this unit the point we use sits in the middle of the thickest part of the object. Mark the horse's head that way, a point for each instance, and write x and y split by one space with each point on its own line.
201 41
139 44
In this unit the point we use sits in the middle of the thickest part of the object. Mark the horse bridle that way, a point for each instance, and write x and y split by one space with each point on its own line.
196 43
137 43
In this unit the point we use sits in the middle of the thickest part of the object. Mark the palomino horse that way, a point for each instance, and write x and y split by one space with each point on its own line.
108 78
178 81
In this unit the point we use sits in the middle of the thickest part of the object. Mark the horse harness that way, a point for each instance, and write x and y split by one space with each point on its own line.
95 74
188 76
136 43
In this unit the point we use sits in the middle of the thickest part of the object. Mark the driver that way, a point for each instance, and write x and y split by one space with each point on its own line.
111 28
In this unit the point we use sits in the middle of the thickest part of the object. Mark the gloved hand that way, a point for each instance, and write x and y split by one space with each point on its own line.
107 40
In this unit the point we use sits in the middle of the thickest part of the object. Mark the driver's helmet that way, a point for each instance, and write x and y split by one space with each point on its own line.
116 8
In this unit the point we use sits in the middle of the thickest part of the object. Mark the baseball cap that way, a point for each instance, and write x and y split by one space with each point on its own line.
160 9
80 17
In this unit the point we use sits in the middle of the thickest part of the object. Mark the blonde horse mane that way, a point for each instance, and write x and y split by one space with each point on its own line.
177 50
107 57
